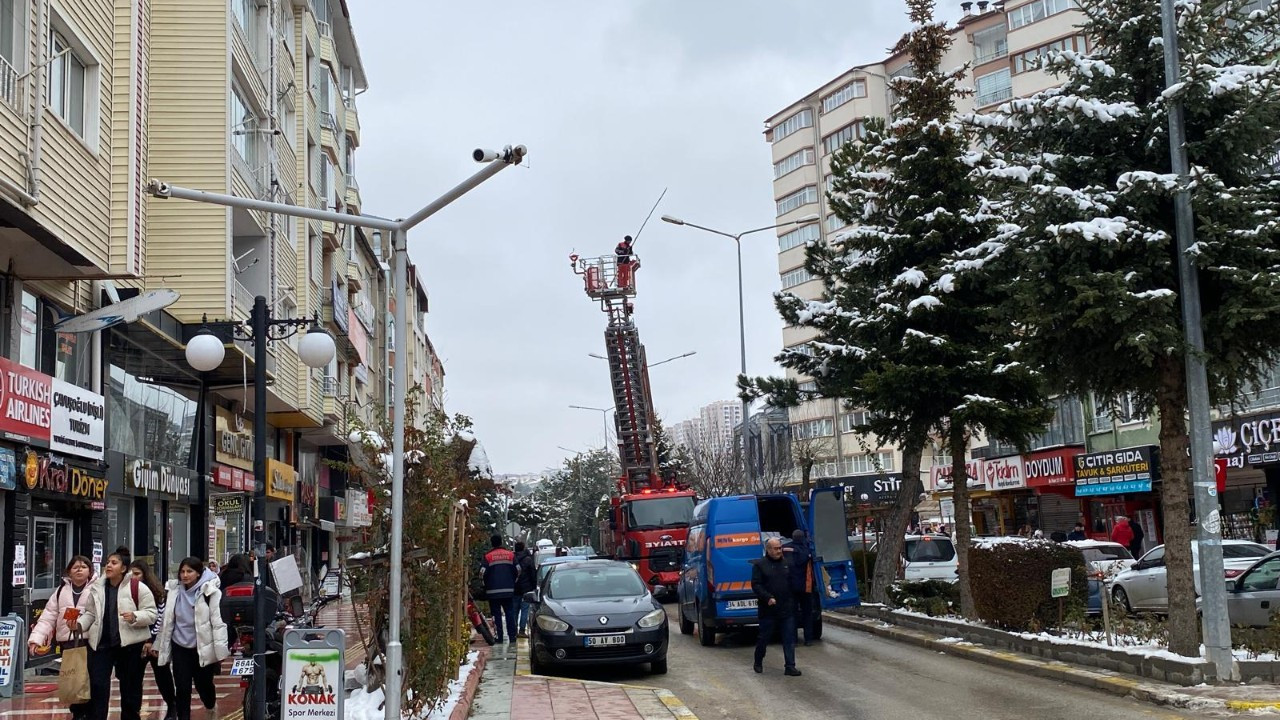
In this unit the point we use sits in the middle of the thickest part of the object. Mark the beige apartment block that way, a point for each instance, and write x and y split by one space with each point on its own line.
997 44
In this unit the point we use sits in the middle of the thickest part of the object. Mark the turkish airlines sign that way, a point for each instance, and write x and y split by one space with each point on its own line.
40 410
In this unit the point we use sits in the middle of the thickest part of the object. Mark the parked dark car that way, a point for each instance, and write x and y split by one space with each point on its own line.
596 611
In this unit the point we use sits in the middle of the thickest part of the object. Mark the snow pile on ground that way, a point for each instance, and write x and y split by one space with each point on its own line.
364 705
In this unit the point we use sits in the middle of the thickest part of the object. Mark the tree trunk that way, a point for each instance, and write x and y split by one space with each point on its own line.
964 517
895 529
806 483
1171 401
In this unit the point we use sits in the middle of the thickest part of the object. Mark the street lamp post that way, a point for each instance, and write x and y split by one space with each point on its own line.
604 419
495 161
205 353
742 319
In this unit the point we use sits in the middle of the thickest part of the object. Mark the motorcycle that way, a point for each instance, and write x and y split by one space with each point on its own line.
294 616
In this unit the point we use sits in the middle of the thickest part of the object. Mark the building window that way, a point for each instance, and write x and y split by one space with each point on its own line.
808 386
1031 59
994 87
821 427
68 83
799 276
835 222
848 133
792 162
866 464
854 89
29 331
246 12
851 420
12 21
798 237
798 199
793 124
990 44
243 126
1036 11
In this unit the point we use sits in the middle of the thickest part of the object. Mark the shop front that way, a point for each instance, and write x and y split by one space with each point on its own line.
1249 448
155 500
228 508
57 516
1050 474
281 491
1120 483
940 487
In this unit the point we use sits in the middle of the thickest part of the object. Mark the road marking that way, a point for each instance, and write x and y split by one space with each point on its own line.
673 704
1253 704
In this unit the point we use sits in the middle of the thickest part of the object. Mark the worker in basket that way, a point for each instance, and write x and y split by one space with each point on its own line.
626 262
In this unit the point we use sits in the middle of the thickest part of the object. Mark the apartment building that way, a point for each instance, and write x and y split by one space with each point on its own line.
998 42
714 426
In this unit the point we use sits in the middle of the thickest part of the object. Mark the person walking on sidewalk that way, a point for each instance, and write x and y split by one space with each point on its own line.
775 604
801 579
193 637
499 573
1122 533
57 620
526 581
164 679
117 620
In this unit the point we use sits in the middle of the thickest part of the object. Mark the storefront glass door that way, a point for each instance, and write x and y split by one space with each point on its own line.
179 538
49 555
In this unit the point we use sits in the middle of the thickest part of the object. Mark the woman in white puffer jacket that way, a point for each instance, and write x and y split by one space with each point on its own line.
193 635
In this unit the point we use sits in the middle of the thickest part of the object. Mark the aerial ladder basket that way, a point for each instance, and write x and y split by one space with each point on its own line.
605 278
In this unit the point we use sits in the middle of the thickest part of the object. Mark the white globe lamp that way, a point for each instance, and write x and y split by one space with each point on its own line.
205 351
317 348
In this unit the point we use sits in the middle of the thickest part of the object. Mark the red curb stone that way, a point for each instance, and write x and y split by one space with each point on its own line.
463 708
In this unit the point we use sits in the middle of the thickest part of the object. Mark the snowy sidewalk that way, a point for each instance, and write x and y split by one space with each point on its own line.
508 691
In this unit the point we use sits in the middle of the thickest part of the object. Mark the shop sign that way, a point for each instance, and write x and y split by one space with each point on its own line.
1052 467
231 478
334 510
8 469
282 480
227 504
51 474
147 477
880 489
24 403
940 476
1249 440
233 441
358 508
78 421
1114 472
1004 473
307 498
341 312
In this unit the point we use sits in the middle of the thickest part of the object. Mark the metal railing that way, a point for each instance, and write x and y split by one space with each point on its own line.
326 30
330 386
996 54
241 297
351 182
328 121
993 97
9 82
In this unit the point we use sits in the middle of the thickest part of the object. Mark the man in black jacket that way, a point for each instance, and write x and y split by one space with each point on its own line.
526 581
771 582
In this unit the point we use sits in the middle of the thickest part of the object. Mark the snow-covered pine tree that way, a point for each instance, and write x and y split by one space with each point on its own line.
897 333
1083 178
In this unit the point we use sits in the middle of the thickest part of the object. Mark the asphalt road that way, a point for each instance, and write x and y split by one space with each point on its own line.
855 675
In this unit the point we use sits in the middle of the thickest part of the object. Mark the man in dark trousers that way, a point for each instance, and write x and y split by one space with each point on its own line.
801 579
526 581
498 569
771 582
1135 546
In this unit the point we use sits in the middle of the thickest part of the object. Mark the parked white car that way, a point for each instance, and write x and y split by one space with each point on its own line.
1145 585
930 557
1109 558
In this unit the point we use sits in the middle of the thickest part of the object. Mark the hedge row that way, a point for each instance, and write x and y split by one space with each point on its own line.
1011 584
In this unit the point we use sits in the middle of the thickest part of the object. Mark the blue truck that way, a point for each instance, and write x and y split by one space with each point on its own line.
727 533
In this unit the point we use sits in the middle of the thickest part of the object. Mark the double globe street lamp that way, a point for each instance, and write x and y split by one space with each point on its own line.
205 352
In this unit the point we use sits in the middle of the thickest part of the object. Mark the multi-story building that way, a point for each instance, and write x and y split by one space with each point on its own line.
714 426
998 43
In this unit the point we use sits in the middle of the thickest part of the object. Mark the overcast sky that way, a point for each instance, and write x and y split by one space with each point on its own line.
615 101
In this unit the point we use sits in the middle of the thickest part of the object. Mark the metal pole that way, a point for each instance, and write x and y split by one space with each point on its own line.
395 668
1216 627
742 344
259 321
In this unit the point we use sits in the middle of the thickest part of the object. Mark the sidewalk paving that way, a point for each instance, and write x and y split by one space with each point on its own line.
508 691
45 705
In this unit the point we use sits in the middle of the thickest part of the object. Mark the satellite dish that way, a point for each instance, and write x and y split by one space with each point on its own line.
125 311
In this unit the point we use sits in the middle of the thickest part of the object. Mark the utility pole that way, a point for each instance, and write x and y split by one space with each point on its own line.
1215 624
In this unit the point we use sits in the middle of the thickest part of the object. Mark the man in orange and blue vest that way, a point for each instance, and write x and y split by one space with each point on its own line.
498 570
801 580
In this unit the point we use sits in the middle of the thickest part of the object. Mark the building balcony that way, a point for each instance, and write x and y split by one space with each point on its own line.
313 118
327 53
352 196
352 121
329 132
10 87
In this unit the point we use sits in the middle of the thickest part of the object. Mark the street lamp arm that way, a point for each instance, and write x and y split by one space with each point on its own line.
509 156
163 190
670 359
712 230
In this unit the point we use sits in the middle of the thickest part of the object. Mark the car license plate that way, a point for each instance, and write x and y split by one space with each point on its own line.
740 604
242 667
604 640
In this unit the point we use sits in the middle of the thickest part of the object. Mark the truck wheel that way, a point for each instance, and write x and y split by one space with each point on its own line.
686 625
706 633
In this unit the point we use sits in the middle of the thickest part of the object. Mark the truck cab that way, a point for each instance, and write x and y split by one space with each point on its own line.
729 532
650 530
